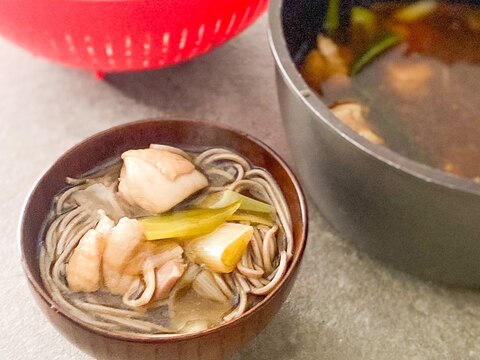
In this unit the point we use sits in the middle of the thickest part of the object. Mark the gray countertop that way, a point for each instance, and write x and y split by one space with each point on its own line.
343 306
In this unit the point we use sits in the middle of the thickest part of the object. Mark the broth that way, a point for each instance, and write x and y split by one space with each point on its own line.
419 96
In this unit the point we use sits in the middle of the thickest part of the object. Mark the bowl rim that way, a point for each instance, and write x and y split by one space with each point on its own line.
160 338
286 68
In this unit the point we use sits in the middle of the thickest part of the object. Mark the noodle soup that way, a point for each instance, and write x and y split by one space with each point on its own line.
166 241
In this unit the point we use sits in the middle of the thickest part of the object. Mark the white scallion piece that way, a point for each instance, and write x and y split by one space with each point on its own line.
206 286
222 249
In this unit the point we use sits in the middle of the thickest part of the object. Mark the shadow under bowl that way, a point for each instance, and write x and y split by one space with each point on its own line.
213 343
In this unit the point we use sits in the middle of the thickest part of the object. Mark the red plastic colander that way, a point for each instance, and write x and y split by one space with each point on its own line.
124 35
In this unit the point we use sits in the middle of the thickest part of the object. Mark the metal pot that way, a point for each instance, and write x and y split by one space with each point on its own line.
417 218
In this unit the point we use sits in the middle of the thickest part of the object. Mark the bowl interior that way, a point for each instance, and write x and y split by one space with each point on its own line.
111 143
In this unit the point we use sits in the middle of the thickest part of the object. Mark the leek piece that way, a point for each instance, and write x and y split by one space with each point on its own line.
221 250
206 286
416 11
186 223
363 19
224 198
252 218
332 19
378 47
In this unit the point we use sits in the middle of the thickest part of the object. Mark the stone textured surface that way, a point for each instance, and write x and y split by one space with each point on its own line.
344 305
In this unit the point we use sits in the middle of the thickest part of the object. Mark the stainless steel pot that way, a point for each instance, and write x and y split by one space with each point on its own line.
417 218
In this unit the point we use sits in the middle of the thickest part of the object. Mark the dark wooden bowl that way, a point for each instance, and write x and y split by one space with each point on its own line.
213 343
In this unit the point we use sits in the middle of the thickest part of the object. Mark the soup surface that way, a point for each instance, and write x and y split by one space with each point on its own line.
406 76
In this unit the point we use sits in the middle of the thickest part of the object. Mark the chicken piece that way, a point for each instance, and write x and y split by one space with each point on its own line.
331 52
135 264
410 79
144 290
161 267
84 272
105 224
167 276
324 63
171 165
83 269
121 246
157 180
353 114
149 254
314 69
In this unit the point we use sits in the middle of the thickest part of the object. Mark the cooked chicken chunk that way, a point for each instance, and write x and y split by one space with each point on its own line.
157 180
122 244
410 79
353 114
160 270
335 62
105 224
84 272
325 63
167 276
